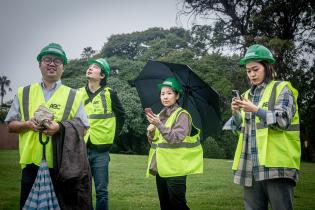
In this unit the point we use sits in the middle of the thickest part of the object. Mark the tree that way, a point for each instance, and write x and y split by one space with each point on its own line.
87 53
286 27
239 22
133 135
131 45
141 45
74 74
4 84
173 45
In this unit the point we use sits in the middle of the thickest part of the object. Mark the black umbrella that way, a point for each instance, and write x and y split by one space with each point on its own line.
200 100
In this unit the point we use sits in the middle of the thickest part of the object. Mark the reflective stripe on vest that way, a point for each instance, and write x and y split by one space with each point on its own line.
107 113
25 99
101 117
291 127
271 103
69 104
30 98
187 154
175 146
276 148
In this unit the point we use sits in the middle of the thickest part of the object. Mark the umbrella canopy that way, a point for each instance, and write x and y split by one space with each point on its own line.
200 100
42 195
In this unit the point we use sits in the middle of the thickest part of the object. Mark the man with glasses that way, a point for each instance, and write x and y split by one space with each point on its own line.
63 102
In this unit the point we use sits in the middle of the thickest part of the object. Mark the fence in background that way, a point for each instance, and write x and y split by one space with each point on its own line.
8 140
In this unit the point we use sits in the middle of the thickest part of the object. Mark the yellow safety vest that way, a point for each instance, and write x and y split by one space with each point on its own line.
177 159
276 148
64 103
101 117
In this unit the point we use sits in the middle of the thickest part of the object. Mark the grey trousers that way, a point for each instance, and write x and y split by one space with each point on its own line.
279 192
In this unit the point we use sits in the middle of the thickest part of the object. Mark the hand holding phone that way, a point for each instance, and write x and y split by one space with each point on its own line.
148 110
236 93
152 118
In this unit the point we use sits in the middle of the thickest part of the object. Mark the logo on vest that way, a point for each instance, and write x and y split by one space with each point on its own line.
54 106
265 104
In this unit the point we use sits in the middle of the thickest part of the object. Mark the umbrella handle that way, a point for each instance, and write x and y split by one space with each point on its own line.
43 143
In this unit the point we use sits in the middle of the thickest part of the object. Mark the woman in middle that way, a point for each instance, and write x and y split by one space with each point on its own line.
175 147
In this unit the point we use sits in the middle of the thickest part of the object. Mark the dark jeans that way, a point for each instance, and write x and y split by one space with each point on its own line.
279 192
99 161
28 177
172 192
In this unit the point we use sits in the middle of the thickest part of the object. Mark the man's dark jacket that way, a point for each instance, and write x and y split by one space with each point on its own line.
73 175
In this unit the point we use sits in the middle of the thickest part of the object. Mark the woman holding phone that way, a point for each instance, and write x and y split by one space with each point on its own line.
267 157
175 147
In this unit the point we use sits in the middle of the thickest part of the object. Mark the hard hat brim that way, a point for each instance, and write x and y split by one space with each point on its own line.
245 61
63 57
92 61
160 86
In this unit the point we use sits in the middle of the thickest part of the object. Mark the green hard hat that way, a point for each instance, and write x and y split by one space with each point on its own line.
257 52
102 63
173 83
54 49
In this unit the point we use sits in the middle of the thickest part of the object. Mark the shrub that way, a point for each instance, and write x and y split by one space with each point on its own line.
211 149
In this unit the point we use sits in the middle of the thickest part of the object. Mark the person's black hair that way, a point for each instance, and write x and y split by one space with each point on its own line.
103 82
270 73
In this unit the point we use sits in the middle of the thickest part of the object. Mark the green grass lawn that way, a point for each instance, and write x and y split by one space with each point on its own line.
129 189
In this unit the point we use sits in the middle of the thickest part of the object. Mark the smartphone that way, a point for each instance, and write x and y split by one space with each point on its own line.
148 110
236 93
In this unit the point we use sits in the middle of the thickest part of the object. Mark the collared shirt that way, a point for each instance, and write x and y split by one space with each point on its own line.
15 112
280 118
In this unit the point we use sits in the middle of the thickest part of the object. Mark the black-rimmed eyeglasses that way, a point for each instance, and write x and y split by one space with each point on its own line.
48 60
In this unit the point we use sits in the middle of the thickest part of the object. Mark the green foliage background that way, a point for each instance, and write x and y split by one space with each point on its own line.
287 28
128 53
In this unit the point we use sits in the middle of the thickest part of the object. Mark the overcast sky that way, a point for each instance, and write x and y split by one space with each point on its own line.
26 26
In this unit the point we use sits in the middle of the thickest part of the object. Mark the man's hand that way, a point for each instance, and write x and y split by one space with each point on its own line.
51 128
32 125
16 126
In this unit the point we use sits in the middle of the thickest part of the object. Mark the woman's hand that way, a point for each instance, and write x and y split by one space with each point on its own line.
235 105
151 128
153 119
247 105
